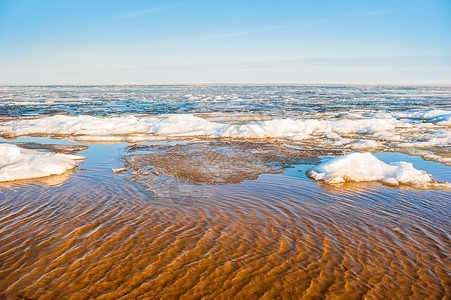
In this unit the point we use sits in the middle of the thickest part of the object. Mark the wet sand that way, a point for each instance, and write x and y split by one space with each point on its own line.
94 234
219 161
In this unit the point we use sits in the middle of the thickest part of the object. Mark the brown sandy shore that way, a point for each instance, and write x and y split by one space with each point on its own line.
217 220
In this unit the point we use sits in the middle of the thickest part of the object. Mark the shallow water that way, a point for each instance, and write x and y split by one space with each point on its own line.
267 232
93 234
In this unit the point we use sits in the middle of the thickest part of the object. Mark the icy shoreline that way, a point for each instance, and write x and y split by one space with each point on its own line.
189 125
422 133
434 127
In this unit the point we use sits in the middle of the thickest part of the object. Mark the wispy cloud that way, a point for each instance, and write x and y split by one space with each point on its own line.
243 32
370 13
306 23
139 13
229 34
81 53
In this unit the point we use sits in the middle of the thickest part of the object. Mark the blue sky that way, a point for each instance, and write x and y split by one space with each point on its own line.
193 41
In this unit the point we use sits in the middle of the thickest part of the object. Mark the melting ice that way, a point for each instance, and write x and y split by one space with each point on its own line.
18 163
412 120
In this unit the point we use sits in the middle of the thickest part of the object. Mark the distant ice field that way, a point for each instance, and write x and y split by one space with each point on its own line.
268 100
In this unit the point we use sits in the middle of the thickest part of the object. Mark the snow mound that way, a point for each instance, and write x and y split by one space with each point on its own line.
438 116
366 144
358 167
428 114
441 138
18 163
443 120
188 125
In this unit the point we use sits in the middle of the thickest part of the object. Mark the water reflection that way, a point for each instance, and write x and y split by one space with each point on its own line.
53 180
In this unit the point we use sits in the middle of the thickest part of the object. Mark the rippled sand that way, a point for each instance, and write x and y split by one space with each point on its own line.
96 235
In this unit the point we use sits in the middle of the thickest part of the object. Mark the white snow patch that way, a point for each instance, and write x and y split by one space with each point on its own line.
190 126
18 163
444 120
428 114
387 136
357 167
438 116
367 144
441 138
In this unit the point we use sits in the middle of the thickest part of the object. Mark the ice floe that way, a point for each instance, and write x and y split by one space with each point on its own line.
367 144
439 138
359 167
18 163
427 114
437 116
189 125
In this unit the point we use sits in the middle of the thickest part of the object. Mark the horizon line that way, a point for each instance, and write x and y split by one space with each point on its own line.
225 83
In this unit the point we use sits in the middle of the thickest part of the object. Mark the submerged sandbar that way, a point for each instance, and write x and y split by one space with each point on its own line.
219 162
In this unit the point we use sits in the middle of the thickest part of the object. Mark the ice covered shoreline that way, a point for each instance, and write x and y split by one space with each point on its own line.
418 132
380 126
188 125
425 133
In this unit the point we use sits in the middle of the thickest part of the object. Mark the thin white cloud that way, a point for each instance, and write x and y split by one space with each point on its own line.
139 13
229 34
370 13
306 23
81 53
243 32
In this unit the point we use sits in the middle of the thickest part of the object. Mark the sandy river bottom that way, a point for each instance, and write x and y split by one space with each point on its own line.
91 233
